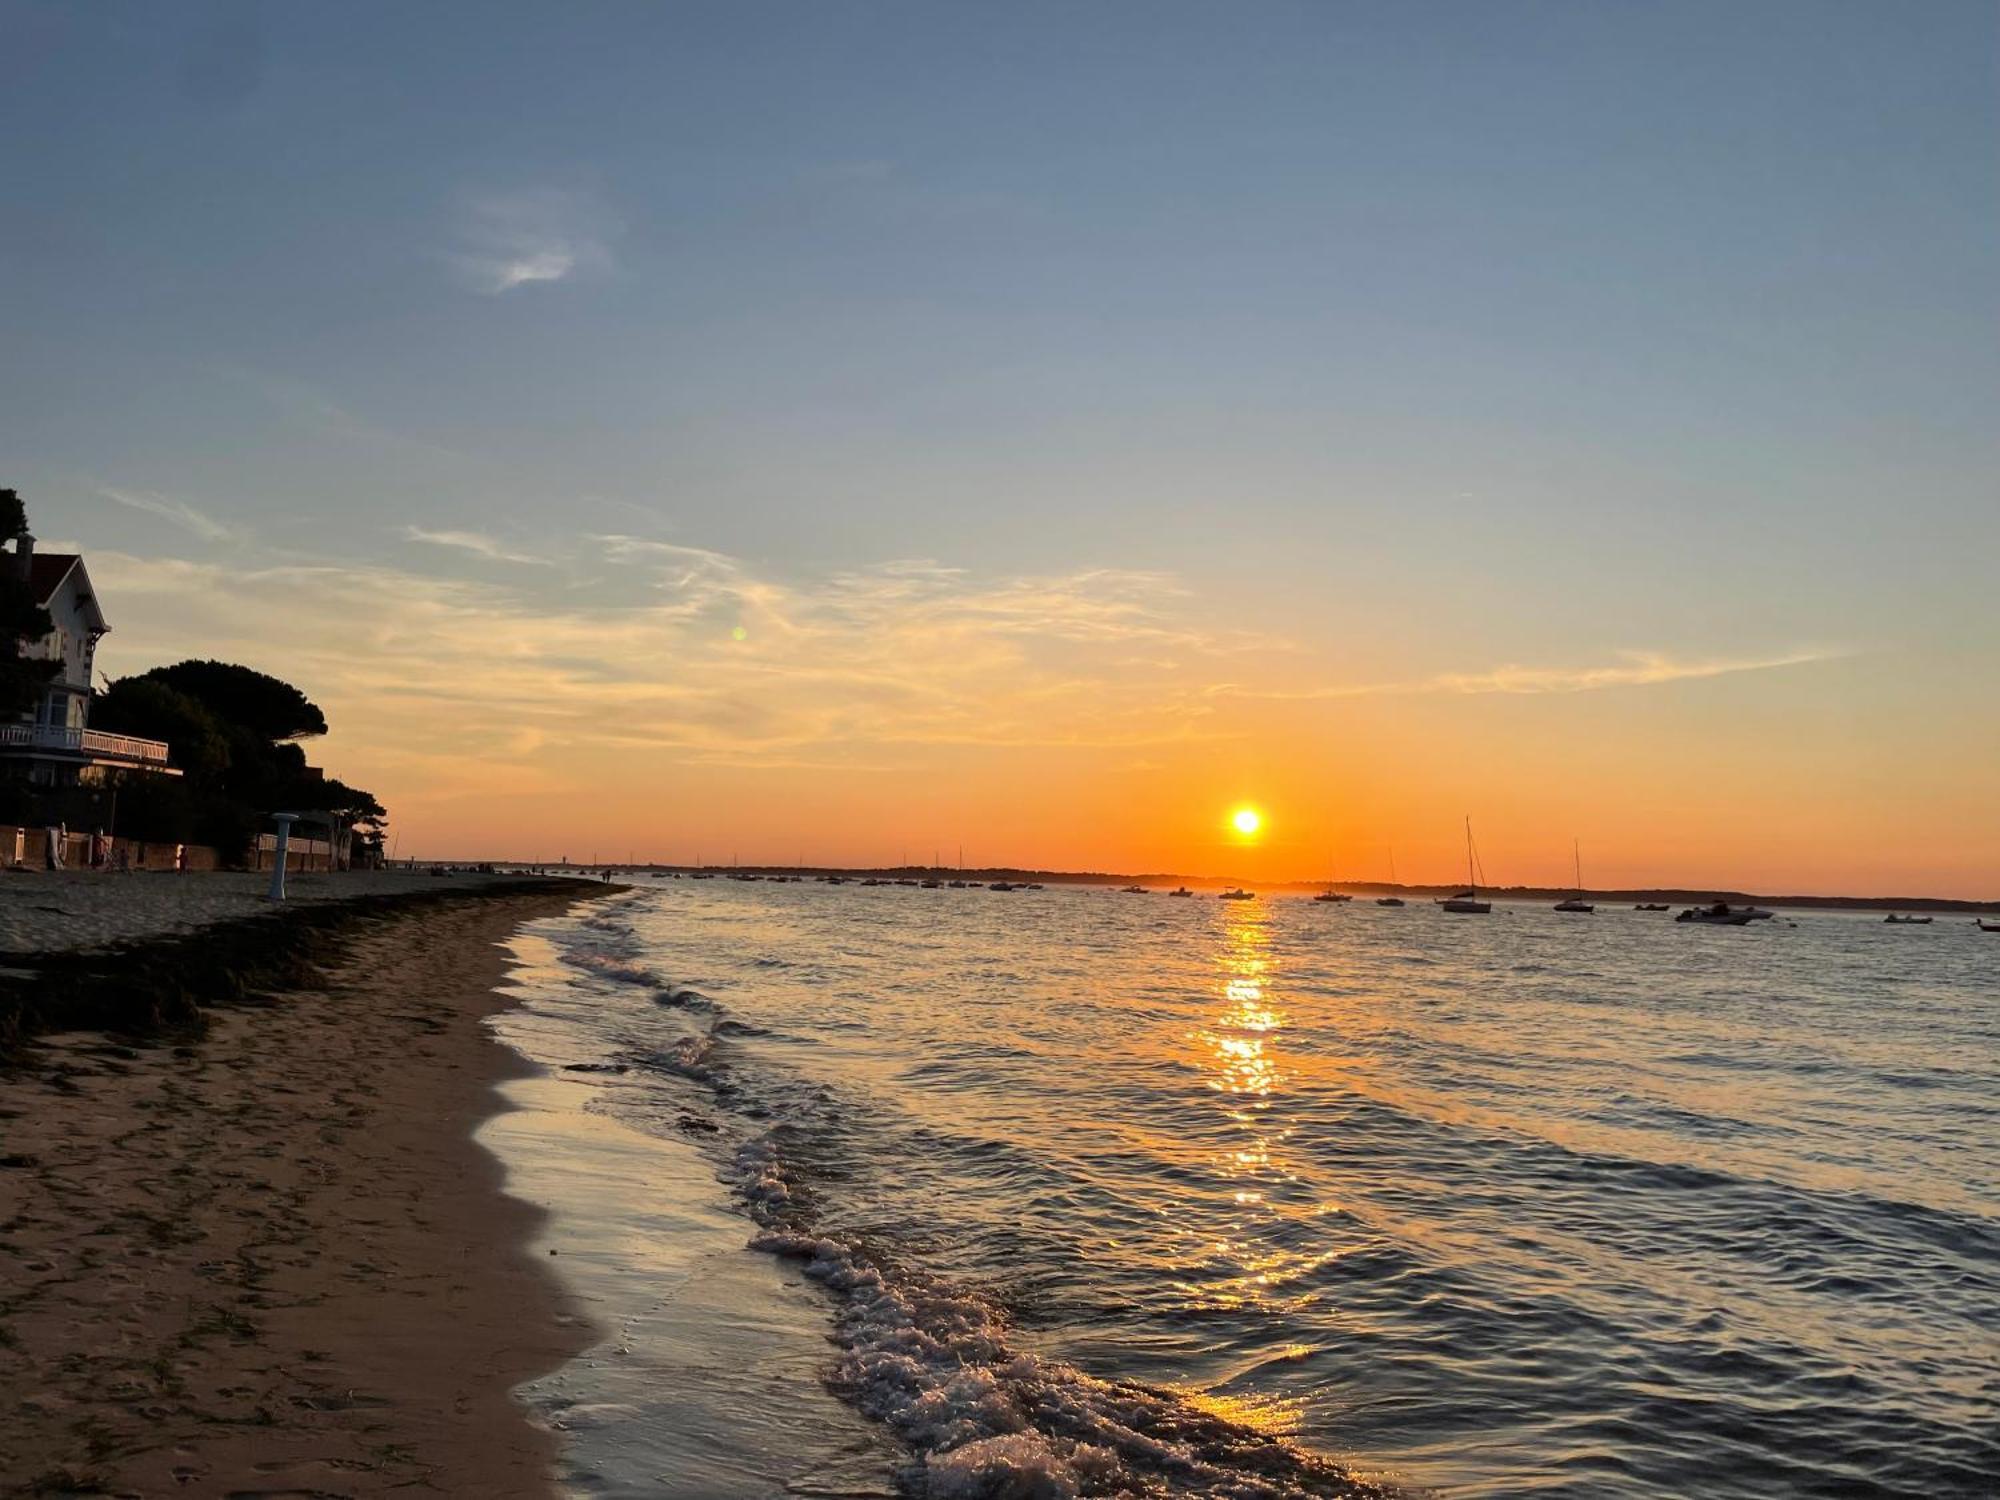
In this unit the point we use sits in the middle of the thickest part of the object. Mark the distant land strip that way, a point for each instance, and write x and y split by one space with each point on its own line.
1684 895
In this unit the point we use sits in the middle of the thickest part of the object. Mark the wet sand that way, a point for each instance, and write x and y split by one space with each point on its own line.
274 1262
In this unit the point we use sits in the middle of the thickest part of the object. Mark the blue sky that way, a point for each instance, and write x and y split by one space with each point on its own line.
1435 337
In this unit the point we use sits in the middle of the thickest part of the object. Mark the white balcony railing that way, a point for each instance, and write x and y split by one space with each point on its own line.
83 742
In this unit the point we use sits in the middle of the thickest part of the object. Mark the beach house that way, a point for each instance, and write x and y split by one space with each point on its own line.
53 744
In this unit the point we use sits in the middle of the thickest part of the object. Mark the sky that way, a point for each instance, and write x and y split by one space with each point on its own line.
851 432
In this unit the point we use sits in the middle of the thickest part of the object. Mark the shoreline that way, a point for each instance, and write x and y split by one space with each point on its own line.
276 1258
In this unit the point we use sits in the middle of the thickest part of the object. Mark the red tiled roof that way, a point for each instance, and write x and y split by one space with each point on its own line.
46 571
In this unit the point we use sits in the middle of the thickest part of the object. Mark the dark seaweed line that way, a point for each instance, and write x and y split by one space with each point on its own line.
166 986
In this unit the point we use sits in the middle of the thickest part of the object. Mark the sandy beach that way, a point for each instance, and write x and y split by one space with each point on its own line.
274 1261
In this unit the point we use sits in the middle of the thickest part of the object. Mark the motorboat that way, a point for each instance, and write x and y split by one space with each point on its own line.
1239 894
1985 926
1895 921
1390 901
932 885
1722 914
1331 897
1467 902
1002 885
1183 891
1652 906
1134 890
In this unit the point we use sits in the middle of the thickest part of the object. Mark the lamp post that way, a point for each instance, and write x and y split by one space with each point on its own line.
279 855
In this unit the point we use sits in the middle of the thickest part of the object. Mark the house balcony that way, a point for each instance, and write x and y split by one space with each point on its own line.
83 747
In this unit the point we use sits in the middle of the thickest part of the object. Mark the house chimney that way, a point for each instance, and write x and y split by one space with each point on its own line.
24 556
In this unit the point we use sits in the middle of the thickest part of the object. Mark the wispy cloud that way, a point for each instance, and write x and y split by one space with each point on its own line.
1632 669
178 512
709 658
452 686
510 240
477 543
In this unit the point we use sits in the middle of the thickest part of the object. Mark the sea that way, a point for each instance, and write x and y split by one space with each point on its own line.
1073 1192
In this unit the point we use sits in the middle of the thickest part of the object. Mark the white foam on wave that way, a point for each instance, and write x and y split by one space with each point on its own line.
990 1421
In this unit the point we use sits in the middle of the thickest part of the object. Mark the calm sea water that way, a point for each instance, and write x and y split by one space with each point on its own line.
1110 1194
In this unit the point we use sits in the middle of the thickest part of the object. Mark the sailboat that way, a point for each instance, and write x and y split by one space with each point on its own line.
1390 900
1467 901
1576 903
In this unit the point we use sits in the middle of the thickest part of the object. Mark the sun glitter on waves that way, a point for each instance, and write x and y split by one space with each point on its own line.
1246 821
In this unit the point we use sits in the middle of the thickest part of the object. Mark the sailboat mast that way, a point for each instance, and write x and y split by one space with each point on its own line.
1576 849
1471 884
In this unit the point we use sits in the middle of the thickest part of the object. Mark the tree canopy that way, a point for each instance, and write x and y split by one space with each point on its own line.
233 731
244 697
23 623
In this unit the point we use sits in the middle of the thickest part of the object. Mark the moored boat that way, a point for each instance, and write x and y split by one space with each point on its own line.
1576 903
1391 900
1895 921
1722 914
1183 891
1239 894
1467 902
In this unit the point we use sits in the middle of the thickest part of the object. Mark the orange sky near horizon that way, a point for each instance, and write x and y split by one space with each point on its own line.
1081 724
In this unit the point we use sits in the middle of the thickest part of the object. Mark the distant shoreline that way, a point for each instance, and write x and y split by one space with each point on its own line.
1677 895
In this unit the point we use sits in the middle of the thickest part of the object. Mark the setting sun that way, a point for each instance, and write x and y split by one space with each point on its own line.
1246 820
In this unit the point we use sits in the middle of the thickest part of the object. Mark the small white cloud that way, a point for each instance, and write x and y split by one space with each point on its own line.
510 240
477 543
179 512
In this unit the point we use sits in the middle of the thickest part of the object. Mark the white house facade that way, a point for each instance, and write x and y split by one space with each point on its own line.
53 744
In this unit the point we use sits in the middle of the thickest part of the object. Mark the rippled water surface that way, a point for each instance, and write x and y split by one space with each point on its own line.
1119 1194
